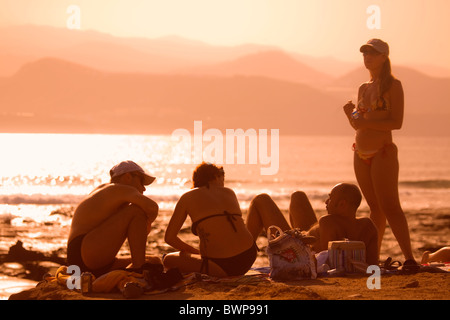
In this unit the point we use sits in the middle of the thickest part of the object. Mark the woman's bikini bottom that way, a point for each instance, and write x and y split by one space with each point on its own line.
233 266
367 156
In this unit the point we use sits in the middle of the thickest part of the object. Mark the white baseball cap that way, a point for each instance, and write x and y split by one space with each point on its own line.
130 166
378 45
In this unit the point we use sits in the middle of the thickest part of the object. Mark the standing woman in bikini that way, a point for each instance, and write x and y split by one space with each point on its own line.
226 246
379 111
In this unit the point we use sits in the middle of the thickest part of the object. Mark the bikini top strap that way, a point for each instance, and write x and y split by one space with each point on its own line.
230 217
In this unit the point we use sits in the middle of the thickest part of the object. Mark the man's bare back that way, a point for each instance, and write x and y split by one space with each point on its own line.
105 201
109 215
334 227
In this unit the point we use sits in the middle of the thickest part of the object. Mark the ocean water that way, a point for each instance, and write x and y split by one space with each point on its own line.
44 176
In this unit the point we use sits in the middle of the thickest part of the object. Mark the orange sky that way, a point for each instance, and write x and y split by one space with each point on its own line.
416 30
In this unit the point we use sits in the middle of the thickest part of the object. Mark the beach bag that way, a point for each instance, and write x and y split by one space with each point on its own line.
290 255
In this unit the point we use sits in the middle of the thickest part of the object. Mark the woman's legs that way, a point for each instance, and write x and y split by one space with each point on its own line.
379 185
385 170
364 177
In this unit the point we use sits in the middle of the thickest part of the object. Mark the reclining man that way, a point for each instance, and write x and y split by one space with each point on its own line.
340 222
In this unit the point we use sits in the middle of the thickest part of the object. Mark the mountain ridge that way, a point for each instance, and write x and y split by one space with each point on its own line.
77 87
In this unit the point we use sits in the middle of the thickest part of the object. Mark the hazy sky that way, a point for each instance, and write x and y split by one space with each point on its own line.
417 30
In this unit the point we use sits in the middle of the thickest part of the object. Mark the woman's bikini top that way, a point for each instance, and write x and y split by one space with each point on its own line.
230 217
379 104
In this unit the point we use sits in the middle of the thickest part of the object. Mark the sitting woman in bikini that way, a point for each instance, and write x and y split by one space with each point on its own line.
226 246
379 111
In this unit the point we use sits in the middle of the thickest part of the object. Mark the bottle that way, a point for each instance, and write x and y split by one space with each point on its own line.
86 282
355 114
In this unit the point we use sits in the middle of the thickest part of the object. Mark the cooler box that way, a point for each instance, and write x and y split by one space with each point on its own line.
339 253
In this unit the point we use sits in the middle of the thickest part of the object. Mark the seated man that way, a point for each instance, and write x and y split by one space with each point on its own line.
110 214
341 222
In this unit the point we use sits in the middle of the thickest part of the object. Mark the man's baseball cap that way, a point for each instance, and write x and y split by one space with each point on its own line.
378 45
130 166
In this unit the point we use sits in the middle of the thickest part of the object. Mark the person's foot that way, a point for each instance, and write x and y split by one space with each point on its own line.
425 257
410 266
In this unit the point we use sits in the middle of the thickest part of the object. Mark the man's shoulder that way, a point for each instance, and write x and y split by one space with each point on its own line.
331 220
103 186
112 188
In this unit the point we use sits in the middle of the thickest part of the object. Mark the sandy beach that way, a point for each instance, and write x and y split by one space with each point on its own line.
424 285
429 231
262 88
